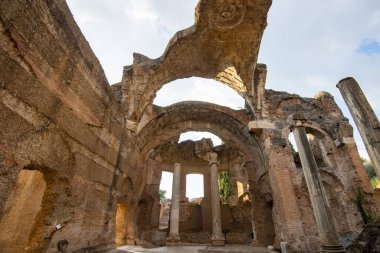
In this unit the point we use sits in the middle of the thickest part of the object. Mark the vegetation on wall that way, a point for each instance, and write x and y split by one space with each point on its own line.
225 186
371 172
358 201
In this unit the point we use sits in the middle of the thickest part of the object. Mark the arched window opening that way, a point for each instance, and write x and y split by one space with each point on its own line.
194 186
196 136
199 89
21 211
121 212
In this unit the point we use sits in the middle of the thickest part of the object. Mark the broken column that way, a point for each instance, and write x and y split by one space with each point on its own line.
364 117
174 207
322 213
217 238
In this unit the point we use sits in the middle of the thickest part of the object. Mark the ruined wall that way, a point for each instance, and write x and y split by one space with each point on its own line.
337 158
57 116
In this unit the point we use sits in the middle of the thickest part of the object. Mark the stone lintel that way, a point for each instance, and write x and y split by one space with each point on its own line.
264 124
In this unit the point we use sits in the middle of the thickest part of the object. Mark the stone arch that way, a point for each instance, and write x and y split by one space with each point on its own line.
233 30
198 108
323 150
229 125
203 86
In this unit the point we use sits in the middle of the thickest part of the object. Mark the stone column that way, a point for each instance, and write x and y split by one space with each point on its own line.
364 117
206 203
174 207
325 156
321 209
217 238
182 196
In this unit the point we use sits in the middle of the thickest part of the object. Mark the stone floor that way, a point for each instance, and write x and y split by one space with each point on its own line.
192 249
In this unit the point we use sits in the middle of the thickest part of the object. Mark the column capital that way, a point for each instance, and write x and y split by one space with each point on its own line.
296 120
212 158
177 165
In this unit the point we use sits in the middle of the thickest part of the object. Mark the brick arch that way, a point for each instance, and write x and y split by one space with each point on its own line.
223 44
171 121
38 152
240 115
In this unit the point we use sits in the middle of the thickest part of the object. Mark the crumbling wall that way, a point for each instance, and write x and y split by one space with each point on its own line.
337 157
58 116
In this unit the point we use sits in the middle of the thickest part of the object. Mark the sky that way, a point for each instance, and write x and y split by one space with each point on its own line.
308 46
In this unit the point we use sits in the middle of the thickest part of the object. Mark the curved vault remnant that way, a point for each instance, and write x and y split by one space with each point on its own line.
103 178
223 44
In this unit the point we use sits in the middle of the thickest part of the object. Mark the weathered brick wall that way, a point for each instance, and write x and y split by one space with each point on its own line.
59 116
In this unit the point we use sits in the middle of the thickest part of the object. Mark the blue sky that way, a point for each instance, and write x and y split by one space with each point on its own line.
369 47
308 46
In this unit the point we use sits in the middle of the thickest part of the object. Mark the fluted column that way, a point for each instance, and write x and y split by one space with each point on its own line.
174 207
217 238
321 209
364 117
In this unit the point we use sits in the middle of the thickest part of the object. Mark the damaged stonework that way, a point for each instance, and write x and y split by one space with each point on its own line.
81 161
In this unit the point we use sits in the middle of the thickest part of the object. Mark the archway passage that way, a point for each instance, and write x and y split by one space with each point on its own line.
222 45
158 140
194 186
198 89
121 226
21 212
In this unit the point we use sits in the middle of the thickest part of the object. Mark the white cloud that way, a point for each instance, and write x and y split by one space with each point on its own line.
198 89
196 136
308 45
136 9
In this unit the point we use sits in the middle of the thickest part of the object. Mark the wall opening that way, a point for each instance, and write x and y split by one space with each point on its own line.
21 211
194 186
199 135
166 188
199 89
121 213
294 148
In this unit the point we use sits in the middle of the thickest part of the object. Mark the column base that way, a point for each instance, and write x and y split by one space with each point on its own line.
173 240
332 248
218 240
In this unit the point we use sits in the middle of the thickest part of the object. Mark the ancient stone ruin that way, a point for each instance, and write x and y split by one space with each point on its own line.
81 161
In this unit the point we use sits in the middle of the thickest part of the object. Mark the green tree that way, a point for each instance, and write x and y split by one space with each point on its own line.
369 168
225 186
162 195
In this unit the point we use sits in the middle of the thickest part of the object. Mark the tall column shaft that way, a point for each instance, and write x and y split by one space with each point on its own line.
206 203
364 117
217 237
174 207
322 213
